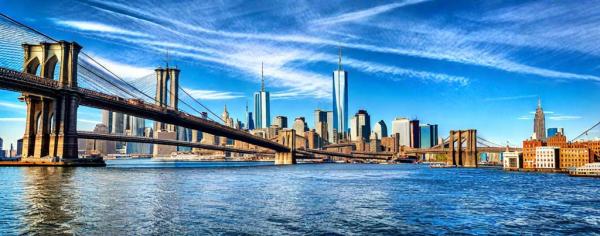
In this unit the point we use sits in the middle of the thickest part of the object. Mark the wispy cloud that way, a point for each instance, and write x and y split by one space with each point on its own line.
364 14
213 95
123 70
87 121
564 118
10 105
12 119
98 27
509 98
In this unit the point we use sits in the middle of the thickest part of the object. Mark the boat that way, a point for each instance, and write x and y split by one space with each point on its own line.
588 170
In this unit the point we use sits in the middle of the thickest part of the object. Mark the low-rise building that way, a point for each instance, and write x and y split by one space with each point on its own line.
590 170
513 160
529 149
547 158
573 157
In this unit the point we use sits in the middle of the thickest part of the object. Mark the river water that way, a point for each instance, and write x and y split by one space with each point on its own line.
158 198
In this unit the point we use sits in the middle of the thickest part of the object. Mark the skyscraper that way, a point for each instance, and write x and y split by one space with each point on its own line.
401 126
415 134
340 99
331 131
360 126
249 119
262 105
429 135
321 124
539 123
281 122
300 126
380 129
555 131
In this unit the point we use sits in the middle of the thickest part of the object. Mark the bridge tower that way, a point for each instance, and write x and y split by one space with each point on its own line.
287 138
51 125
462 156
167 95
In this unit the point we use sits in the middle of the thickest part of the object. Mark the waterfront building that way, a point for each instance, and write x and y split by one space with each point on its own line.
313 140
340 99
558 140
360 126
547 157
554 131
429 135
529 152
573 157
12 152
281 122
391 144
101 147
323 131
512 160
262 105
415 134
380 129
300 126
374 143
322 124
539 122
320 116
401 126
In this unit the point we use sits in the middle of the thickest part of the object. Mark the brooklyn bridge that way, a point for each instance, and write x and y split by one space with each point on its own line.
56 77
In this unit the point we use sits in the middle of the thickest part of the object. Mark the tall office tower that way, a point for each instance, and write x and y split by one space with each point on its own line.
321 124
281 122
107 118
415 134
19 147
380 129
2 153
429 135
539 123
401 126
262 105
118 127
300 126
360 126
332 135
249 119
340 99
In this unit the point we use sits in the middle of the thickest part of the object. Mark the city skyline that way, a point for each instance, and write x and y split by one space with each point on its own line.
500 88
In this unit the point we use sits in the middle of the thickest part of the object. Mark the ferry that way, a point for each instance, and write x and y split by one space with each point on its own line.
588 170
439 165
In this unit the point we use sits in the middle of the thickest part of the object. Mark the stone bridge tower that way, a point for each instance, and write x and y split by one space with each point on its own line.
462 156
51 125
167 95
286 138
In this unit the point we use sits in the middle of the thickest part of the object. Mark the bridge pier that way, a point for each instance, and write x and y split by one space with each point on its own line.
287 138
51 127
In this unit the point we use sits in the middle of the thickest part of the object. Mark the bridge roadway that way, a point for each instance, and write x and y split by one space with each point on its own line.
26 83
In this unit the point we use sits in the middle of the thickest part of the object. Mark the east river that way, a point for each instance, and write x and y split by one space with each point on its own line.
160 198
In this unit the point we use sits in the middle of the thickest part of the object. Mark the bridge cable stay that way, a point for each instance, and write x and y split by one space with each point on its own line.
98 85
586 131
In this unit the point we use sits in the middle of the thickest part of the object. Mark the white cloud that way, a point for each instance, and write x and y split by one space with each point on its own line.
363 14
125 71
213 95
98 27
509 98
10 105
564 117
12 119
87 121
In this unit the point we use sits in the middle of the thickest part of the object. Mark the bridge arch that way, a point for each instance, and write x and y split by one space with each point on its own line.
51 68
33 66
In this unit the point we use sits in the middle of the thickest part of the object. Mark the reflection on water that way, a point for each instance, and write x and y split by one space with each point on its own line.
145 197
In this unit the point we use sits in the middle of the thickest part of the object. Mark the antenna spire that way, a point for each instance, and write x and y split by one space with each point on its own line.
262 76
340 60
539 102
167 59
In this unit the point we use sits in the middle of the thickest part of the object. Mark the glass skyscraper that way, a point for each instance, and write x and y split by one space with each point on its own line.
262 107
340 99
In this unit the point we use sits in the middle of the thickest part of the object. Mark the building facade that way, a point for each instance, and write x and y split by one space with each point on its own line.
573 157
415 134
547 157
401 126
360 128
300 126
429 135
512 160
281 122
380 129
554 131
529 152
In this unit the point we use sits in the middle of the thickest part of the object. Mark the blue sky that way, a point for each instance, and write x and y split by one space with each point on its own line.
459 64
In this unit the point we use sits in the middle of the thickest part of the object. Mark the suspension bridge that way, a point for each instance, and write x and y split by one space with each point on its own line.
56 77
